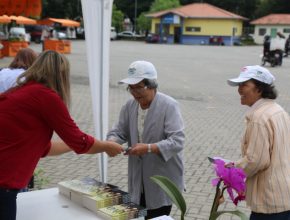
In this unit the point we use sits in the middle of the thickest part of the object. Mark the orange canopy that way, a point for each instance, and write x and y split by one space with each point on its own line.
63 22
18 19
4 19
22 20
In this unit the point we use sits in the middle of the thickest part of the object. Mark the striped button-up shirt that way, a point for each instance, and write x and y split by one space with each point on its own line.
266 157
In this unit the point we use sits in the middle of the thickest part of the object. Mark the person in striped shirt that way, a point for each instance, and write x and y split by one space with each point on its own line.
265 146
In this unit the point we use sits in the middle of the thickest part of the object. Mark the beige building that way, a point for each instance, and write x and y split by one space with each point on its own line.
271 25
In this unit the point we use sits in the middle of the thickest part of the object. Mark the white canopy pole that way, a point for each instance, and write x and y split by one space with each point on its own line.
97 21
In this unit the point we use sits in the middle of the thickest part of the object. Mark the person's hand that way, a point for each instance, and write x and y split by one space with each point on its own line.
138 149
126 150
113 148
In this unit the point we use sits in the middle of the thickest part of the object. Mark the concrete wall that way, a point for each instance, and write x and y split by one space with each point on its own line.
223 27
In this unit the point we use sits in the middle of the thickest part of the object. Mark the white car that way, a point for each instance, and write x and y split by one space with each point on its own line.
128 35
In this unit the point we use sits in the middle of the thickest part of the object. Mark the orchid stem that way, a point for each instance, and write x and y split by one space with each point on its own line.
224 188
215 204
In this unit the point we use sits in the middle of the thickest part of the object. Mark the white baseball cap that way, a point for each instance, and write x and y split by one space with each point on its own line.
253 72
138 71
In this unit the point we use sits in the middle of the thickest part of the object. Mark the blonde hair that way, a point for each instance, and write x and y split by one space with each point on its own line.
52 70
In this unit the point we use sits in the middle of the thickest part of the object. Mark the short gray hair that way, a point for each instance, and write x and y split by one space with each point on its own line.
151 83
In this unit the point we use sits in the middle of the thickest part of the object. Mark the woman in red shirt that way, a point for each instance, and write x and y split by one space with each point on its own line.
29 114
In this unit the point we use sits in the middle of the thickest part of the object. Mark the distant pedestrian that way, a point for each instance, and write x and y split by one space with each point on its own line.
45 35
287 46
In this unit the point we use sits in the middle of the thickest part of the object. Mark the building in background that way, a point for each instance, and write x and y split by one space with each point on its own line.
197 23
271 25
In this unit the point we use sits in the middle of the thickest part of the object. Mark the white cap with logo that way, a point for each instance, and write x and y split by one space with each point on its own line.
138 71
253 72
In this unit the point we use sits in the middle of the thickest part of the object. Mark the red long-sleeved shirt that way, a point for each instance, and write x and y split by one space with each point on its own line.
28 117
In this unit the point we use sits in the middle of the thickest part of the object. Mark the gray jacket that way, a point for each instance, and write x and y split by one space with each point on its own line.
163 126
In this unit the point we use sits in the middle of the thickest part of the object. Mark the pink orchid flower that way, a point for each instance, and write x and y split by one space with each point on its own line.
233 179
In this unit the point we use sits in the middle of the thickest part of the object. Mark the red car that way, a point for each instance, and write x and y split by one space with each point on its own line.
152 38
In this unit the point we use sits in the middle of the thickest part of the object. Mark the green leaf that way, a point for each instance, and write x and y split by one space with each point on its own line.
172 191
236 212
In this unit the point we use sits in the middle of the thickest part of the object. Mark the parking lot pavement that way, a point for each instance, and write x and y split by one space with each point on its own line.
195 76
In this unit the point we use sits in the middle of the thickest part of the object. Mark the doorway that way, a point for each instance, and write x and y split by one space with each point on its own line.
177 32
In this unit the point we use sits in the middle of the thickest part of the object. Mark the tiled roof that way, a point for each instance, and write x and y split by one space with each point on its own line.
273 19
199 10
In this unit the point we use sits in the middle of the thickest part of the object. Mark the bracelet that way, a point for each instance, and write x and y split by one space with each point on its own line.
149 148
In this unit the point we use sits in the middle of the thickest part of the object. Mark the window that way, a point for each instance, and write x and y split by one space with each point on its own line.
262 31
193 29
164 28
286 30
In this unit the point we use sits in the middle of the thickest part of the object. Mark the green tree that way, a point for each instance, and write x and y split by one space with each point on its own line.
159 5
266 7
61 8
244 8
128 7
117 18
143 23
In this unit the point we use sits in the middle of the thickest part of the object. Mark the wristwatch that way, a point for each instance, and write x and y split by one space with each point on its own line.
149 148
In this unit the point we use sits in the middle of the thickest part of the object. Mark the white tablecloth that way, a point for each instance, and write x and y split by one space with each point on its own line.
49 205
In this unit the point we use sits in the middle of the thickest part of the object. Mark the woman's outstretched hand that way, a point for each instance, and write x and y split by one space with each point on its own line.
113 148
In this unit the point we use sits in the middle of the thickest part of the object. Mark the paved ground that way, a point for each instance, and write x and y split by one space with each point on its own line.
196 77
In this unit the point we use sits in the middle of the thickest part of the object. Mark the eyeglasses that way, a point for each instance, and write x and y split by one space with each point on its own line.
136 89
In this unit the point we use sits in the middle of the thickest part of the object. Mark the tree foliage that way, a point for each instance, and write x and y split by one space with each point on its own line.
251 9
159 5
244 8
117 18
143 23
266 7
128 7
61 8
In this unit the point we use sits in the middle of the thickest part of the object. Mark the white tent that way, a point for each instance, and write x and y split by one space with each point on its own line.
97 21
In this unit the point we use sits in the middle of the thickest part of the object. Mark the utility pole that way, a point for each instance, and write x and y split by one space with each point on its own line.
135 17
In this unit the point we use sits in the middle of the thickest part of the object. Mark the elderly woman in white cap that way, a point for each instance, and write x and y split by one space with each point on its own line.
152 125
265 146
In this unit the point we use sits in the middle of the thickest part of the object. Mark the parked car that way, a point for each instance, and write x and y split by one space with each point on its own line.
247 39
113 34
152 38
128 35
